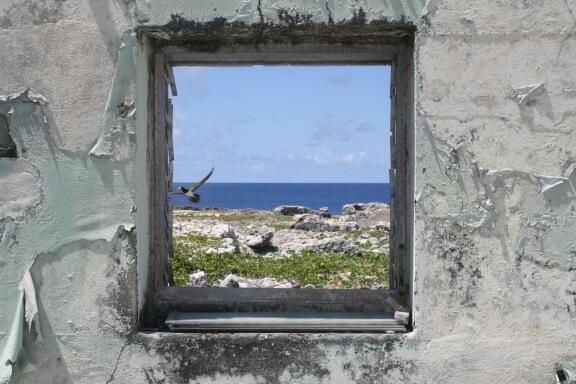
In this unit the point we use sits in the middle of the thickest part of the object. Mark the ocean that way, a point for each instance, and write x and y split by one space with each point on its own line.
267 196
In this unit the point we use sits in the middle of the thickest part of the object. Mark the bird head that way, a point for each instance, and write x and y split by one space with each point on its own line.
179 191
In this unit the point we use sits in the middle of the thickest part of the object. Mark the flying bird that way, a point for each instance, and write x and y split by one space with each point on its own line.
190 192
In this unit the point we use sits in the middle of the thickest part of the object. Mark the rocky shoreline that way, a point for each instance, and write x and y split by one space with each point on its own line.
265 239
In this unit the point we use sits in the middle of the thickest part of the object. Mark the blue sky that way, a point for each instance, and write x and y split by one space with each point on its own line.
282 124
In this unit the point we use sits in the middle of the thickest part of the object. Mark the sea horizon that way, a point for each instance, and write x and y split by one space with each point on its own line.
269 195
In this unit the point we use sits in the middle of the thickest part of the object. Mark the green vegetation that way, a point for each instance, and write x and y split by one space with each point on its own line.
238 219
306 269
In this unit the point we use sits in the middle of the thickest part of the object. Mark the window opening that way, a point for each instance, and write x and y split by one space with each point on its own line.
281 177
222 254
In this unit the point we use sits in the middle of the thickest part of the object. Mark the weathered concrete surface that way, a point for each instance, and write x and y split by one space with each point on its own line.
495 287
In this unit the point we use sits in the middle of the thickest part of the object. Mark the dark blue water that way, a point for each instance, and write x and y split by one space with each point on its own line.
270 195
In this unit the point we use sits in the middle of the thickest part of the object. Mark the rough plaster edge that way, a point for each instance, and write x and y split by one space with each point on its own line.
551 188
13 343
27 308
26 312
28 94
550 182
120 104
31 307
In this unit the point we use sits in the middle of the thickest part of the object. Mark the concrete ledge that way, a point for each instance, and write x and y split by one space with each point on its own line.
278 322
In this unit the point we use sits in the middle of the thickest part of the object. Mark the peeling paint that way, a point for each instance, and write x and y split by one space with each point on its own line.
12 359
550 182
13 343
61 218
488 203
529 95
41 200
565 373
117 135
30 306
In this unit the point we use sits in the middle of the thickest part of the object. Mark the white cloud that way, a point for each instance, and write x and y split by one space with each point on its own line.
258 166
332 132
329 159
349 158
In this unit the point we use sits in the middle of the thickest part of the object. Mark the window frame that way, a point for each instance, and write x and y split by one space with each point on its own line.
392 48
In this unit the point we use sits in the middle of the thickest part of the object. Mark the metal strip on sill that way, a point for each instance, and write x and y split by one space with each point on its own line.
327 322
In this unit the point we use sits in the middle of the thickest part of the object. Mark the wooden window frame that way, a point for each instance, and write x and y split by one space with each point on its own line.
392 48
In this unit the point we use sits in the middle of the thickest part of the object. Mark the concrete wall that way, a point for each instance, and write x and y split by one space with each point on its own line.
495 254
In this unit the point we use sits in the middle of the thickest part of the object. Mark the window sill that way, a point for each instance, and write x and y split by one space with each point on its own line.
284 322
332 302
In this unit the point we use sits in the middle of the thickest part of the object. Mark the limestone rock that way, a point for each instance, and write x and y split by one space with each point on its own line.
356 208
336 245
230 281
260 242
382 226
366 214
290 210
224 231
324 212
233 281
228 246
199 227
266 282
315 223
296 241
198 279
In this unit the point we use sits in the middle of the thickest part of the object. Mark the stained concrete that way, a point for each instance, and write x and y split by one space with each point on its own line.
495 238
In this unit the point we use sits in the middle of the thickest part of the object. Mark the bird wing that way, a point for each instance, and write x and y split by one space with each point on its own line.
197 185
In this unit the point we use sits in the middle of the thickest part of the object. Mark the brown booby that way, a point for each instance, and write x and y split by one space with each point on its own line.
190 192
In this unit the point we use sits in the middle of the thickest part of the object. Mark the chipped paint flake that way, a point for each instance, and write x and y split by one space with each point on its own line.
526 95
550 182
116 139
30 305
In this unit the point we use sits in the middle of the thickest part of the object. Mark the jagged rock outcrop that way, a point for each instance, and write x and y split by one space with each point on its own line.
197 227
311 222
260 242
291 210
228 246
198 279
295 241
336 245
367 214
230 281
